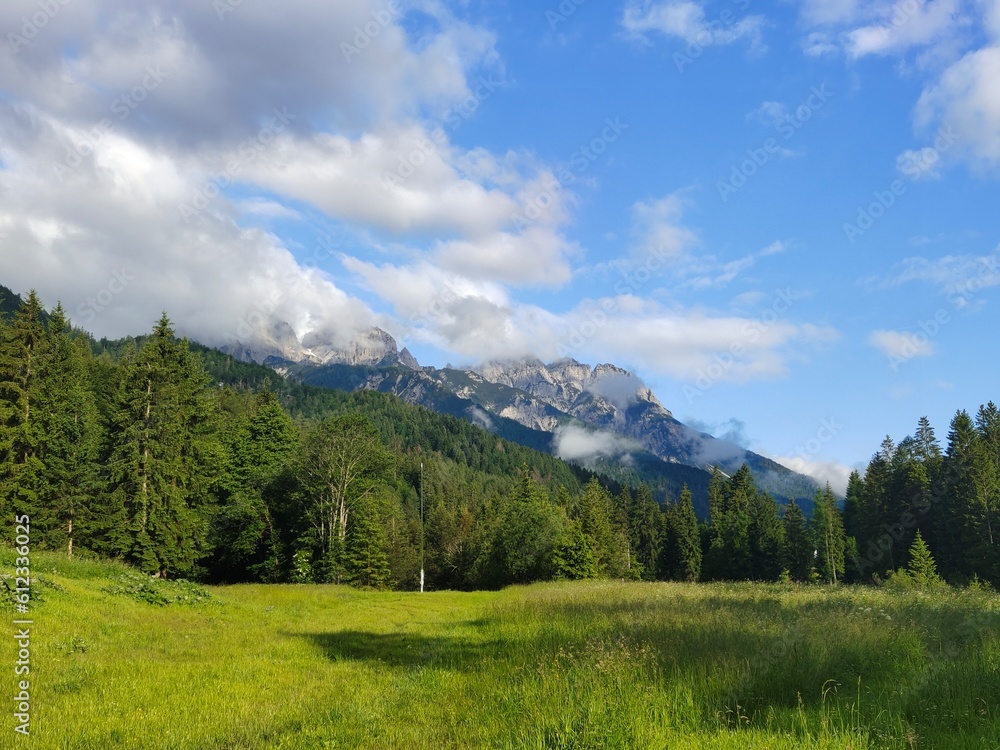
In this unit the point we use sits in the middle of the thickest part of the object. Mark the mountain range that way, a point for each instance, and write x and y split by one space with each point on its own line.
601 417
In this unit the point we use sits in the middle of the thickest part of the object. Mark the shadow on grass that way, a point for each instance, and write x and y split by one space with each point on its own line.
407 650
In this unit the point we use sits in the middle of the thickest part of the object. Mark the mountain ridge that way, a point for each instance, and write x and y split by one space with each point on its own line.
593 414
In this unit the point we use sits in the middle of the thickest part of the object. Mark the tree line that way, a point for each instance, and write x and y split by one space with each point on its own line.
185 463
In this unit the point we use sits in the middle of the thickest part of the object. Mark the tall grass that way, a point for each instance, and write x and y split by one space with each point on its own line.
582 665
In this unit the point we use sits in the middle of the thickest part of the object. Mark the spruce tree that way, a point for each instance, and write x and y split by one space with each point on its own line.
682 556
70 439
365 561
798 546
258 447
23 351
922 567
766 536
645 530
162 459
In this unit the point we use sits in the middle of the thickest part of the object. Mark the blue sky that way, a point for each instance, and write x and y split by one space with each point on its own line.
782 216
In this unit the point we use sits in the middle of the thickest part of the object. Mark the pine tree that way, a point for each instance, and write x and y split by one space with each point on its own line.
682 556
922 568
70 439
23 351
258 448
766 536
717 561
365 561
798 546
162 459
595 515
962 506
645 523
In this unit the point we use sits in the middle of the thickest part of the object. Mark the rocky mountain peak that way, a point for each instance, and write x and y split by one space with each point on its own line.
371 348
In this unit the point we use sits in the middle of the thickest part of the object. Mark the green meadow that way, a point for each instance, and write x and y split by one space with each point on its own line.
121 661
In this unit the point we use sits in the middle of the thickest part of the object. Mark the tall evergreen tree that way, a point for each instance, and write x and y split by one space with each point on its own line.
798 546
682 555
921 566
23 350
365 561
645 522
70 437
258 447
766 536
961 507
162 459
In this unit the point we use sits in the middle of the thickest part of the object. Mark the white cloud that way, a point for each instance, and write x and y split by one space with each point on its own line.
822 471
575 443
918 165
905 24
685 20
108 242
901 344
658 228
967 99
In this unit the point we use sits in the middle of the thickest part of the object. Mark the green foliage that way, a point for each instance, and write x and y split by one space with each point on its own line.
922 567
589 664
573 556
365 561
798 545
827 536
163 454
682 553
158 591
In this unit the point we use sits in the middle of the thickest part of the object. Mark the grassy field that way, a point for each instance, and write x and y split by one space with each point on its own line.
582 665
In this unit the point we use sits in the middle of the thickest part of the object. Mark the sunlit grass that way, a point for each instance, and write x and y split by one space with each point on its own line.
582 665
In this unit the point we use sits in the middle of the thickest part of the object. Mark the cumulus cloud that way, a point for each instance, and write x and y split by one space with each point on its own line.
967 99
129 128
